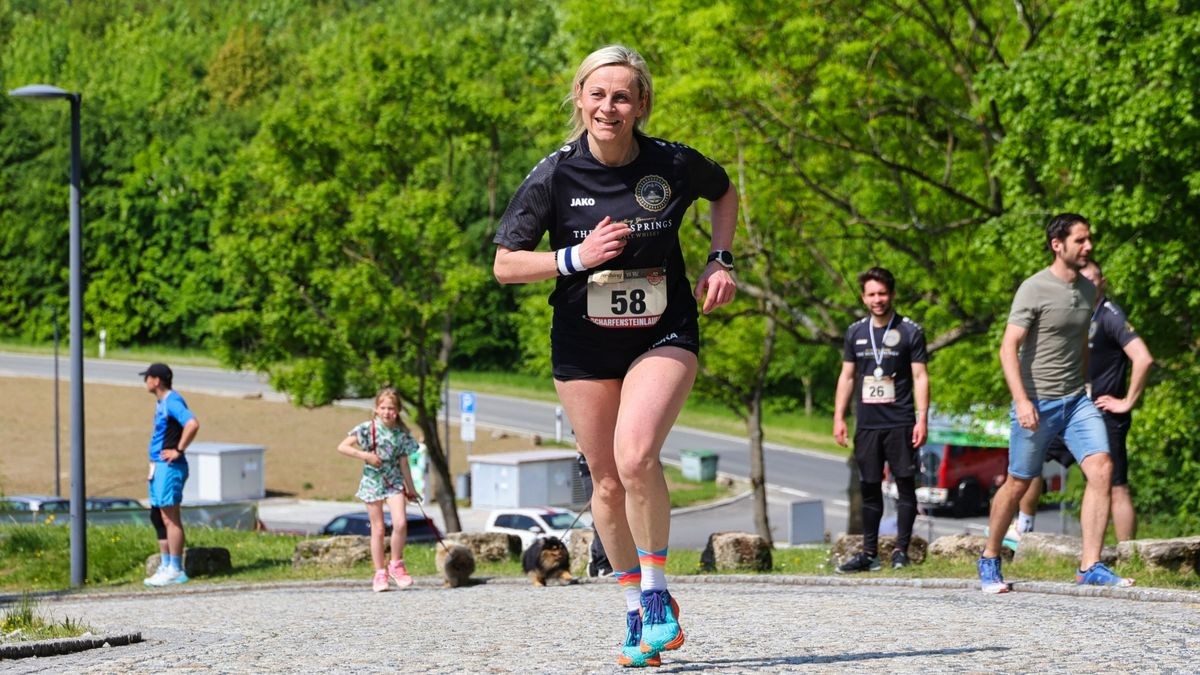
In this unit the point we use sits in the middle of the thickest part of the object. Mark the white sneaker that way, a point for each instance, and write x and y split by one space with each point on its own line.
157 572
1012 538
169 577
159 578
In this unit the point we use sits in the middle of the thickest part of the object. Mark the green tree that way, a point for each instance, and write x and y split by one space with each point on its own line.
351 238
1108 128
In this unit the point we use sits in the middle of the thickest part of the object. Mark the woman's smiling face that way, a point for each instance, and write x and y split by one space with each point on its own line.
611 103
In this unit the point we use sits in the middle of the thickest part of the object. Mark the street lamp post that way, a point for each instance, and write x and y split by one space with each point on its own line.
78 491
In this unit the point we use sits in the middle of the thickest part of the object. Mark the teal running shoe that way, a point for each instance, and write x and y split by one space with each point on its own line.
632 655
1100 575
660 622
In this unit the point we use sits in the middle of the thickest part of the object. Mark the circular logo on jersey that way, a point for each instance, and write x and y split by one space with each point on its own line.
652 193
656 277
891 338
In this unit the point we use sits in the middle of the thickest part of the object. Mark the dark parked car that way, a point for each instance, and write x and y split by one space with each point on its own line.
420 530
42 503
110 503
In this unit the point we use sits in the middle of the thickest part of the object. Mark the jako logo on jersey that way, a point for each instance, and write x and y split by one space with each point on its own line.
652 193
582 201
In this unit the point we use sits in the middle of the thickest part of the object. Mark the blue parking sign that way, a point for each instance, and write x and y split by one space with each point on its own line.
466 402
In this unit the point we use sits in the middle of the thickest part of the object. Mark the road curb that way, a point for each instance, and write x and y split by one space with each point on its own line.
434 583
58 647
712 505
1043 587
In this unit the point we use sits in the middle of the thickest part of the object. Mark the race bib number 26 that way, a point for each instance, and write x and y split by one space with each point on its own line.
627 298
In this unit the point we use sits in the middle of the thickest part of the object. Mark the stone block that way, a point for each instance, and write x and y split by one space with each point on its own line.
963 547
736 551
1058 546
579 547
198 561
489 546
340 551
1181 554
849 544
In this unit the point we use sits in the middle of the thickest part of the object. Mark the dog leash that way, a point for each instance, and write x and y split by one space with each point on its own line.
582 511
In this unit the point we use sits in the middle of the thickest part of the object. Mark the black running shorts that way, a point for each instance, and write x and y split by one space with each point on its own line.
872 447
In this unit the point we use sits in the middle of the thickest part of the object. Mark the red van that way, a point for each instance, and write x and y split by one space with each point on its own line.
960 471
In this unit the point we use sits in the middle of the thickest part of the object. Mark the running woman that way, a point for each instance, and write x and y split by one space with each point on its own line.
625 337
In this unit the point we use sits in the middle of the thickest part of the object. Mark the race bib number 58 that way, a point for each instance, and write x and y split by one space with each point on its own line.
627 298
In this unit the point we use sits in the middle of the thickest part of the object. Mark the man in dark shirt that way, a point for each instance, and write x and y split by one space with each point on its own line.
883 368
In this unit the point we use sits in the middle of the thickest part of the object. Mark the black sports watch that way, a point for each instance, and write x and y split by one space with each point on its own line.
723 257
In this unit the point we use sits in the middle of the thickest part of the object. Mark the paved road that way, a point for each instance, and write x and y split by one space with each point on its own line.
793 473
733 625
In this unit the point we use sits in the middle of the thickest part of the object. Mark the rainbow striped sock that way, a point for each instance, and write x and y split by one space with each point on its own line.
631 582
654 569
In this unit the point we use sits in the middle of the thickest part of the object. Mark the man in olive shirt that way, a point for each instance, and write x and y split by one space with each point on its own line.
1043 356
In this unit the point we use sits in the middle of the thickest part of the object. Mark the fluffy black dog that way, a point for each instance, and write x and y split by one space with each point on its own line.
547 559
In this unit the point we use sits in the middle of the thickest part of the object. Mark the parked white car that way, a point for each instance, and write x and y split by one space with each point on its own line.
531 523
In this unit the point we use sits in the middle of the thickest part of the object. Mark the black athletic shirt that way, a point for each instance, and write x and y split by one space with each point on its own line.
568 193
896 361
1107 336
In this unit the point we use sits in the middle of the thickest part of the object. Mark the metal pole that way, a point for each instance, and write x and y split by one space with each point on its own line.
78 482
57 464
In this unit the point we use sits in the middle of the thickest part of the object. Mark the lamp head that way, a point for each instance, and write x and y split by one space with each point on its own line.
41 91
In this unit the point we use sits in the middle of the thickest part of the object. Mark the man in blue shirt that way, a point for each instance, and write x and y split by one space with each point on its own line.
174 428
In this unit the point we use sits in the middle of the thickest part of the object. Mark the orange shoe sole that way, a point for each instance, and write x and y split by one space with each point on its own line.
651 661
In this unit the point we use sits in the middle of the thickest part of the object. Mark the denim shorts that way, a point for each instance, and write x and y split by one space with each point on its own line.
166 487
1074 418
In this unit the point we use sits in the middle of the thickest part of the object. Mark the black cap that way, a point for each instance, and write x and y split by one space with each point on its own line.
159 370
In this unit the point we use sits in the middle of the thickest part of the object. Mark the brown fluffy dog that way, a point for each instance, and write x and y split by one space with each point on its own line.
547 560
456 563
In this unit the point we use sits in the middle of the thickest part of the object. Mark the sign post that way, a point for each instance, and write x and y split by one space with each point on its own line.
466 424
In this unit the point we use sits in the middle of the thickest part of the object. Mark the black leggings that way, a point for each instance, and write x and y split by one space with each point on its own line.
159 526
872 510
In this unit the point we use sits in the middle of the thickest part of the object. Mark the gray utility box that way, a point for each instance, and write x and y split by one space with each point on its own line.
524 479
699 465
224 472
806 522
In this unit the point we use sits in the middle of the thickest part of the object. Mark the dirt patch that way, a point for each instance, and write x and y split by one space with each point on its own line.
300 459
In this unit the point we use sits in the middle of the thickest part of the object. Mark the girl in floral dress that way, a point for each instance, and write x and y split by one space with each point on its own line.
384 444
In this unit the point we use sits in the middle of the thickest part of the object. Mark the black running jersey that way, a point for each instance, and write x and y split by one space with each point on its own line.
1107 336
568 193
894 352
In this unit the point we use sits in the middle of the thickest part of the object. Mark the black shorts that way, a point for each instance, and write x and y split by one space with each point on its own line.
606 354
894 445
1117 427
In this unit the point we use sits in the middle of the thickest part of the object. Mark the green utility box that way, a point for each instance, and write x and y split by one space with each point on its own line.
699 465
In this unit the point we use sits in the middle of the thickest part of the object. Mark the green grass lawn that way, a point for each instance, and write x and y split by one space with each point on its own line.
37 558
815 432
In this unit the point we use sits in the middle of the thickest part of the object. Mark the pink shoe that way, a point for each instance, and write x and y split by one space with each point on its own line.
399 574
380 583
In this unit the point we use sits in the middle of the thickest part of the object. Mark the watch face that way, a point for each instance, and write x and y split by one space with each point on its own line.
723 257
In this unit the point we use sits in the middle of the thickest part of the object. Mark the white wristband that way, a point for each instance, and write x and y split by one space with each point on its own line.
568 260
577 259
560 259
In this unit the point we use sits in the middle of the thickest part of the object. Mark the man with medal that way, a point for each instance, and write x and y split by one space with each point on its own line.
883 368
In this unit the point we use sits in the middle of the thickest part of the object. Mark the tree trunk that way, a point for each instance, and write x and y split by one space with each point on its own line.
854 521
442 484
757 471
807 381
